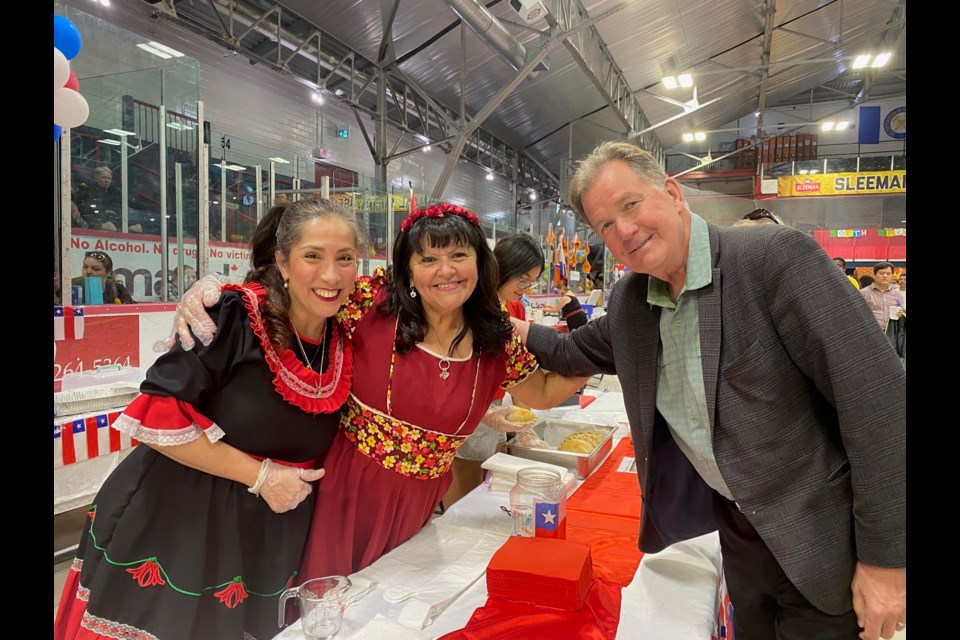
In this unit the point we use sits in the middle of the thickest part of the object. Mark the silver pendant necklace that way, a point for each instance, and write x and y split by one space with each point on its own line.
322 349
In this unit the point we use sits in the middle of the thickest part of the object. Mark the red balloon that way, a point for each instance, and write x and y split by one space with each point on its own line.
72 82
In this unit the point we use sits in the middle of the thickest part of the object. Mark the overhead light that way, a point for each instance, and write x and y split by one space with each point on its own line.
699 136
830 125
533 196
180 126
233 167
803 172
489 175
422 138
670 82
339 92
317 97
813 171
173 53
110 141
156 52
685 79
280 160
105 3
120 132
862 61
688 137
426 148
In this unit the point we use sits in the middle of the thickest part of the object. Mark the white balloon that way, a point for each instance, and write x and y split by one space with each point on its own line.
61 69
70 109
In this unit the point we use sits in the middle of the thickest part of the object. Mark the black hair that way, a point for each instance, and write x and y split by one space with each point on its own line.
865 281
279 230
882 265
516 255
482 314
843 263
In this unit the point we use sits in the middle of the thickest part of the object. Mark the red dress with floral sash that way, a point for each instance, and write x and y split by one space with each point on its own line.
386 471
172 553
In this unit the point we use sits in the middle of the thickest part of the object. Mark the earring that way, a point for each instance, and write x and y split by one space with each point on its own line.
413 292
286 284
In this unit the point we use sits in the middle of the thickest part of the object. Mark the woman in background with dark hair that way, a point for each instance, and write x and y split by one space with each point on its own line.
568 306
520 261
99 264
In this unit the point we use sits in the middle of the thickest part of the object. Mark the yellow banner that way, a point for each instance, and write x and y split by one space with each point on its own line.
374 204
843 184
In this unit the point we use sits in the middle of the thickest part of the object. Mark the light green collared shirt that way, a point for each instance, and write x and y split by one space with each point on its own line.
681 398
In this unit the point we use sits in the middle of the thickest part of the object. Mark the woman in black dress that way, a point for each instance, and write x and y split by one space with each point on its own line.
568 306
201 528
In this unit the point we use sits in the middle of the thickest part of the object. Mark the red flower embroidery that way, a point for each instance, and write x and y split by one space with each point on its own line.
147 574
233 594
92 514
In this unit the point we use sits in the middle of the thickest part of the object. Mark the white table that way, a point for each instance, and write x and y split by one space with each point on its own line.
673 594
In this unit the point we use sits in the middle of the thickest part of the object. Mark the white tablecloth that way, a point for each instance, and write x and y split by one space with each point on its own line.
673 594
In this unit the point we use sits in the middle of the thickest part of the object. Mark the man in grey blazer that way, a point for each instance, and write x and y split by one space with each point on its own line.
763 402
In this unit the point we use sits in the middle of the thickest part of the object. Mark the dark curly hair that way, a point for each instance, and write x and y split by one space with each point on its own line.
481 312
280 229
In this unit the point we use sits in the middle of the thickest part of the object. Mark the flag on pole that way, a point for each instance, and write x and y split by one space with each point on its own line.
413 201
67 323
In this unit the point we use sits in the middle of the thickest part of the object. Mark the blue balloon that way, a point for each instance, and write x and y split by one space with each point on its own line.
66 37
57 130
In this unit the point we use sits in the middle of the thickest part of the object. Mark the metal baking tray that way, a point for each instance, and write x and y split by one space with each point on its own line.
553 432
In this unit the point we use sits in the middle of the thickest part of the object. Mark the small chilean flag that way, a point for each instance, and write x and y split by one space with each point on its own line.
551 520
67 323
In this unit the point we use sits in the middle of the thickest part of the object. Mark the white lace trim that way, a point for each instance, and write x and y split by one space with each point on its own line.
83 594
76 565
111 629
165 437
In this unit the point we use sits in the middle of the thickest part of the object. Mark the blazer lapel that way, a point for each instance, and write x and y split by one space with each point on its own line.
708 307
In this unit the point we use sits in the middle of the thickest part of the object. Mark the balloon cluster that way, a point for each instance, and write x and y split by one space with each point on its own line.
70 109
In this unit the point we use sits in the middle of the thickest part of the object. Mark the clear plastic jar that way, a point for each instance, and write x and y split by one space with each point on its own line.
538 502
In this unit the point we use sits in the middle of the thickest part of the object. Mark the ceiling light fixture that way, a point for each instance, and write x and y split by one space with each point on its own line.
864 60
317 97
280 160
683 80
120 132
699 136
422 138
156 52
111 142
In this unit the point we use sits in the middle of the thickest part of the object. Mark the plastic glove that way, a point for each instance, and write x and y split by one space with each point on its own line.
496 419
528 438
191 314
283 487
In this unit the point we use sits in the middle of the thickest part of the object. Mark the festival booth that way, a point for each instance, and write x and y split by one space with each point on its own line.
101 354
437 584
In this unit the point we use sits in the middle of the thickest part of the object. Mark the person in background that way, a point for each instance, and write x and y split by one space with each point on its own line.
884 301
520 262
865 281
198 531
902 281
520 265
434 345
746 404
842 265
99 264
173 290
755 217
568 306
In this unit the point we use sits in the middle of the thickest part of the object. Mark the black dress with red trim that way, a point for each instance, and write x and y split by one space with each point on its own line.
173 553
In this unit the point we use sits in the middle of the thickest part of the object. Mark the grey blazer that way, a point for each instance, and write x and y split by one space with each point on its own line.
807 406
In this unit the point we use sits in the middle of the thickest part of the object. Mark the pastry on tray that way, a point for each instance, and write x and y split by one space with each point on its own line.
522 416
581 442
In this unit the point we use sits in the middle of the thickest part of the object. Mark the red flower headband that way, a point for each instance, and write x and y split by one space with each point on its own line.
437 211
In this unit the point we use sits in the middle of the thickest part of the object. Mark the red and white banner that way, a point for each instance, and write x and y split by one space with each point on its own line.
67 323
87 436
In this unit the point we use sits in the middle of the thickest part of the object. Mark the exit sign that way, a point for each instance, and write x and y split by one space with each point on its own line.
343 133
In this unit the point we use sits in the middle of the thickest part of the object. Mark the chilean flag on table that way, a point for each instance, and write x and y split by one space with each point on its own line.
67 323
551 520
87 437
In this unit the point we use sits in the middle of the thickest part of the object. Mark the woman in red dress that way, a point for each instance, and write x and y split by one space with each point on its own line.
432 345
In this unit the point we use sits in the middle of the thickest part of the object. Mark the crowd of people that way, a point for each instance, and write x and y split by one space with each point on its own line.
300 429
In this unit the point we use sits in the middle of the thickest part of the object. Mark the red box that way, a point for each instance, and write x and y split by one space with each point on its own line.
541 571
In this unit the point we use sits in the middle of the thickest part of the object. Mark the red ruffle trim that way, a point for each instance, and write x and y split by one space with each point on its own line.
163 413
295 383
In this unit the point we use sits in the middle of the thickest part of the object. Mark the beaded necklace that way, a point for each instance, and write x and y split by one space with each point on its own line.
393 360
